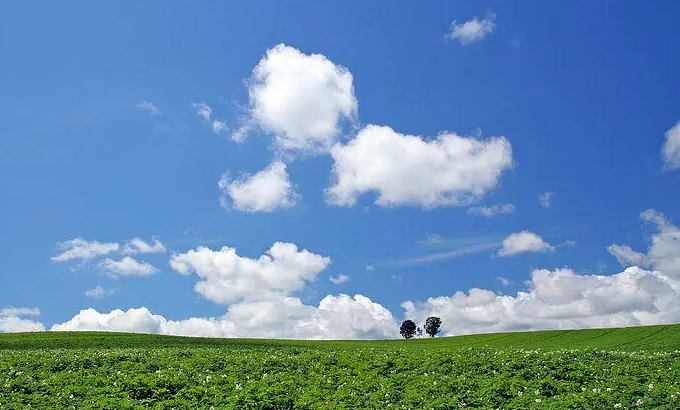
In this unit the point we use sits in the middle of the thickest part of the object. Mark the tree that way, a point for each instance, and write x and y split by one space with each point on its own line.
407 329
419 332
432 325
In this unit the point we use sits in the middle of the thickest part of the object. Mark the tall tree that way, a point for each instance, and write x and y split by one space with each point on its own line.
432 325
407 329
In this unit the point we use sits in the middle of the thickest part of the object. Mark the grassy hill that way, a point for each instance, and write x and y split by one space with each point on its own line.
627 368
652 338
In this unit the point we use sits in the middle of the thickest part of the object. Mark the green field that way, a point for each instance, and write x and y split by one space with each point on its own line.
631 368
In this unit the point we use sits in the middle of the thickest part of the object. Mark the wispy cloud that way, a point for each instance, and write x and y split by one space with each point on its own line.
204 111
471 31
149 107
493 210
338 279
99 292
545 199
448 254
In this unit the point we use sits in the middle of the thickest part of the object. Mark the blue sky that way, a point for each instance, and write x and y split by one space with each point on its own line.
584 95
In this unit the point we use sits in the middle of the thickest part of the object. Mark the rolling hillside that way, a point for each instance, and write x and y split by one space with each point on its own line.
652 338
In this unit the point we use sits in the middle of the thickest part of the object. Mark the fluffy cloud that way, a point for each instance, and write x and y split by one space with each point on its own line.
338 279
127 267
149 107
227 277
336 317
300 98
133 320
489 211
264 191
671 148
409 170
545 199
79 248
521 242
137 245
204 111
559 299
12 321
663 254
471 31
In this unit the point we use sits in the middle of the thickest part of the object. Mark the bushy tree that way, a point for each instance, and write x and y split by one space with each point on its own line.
419 332
407 329
432 325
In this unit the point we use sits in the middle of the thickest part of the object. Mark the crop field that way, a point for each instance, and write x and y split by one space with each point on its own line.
631 368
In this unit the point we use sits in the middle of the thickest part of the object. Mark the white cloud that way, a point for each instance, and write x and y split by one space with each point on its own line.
671 148
264 191
432 239
336 317
545 199
521 242
448 254
149 107
79 248
408 170
471 31
626 256
99 292
370 268
206 113
489 211
338 279
19 311
138 245
503 280
558 299
663 253
127 266
11 320
226 277
300 98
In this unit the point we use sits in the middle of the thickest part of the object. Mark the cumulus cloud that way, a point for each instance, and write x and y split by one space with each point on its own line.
204 111
558 299
138 245
489 211
663 253
12 320
671 148
127 266
227 277
409 170
99 292
336 317
471 31
545 199
523 241
503 280
79 248
264 191
300 98
338 279
149 107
